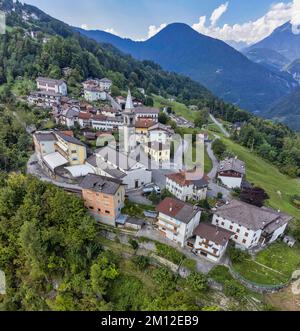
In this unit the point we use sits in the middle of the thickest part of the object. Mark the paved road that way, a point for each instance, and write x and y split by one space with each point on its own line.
137 197
220 125
212 174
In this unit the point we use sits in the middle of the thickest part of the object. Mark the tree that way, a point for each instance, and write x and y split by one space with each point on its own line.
163 118
149 102
134 244
255 196
218 148
142 262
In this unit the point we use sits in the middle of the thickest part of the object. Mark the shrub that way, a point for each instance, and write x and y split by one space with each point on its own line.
233 289
133 243
197 282
169 253
237 255
142 262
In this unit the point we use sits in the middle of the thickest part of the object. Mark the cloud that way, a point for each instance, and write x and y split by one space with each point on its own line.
153 30
84 26
295 21
112 31
252 31
218 13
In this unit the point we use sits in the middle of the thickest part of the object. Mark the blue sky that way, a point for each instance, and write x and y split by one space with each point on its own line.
132 18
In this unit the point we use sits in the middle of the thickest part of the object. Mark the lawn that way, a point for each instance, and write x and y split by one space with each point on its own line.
179 108
272 266
280 187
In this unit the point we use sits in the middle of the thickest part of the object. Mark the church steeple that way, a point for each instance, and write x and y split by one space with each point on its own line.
129 104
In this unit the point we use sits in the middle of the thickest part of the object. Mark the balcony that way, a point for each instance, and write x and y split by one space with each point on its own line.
167 228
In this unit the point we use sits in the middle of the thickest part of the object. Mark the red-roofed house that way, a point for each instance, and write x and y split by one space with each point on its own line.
177 220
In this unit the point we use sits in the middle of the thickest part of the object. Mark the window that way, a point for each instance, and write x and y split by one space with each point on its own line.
246 234
99 210
244 241
236 237
107 212
238 230
92 208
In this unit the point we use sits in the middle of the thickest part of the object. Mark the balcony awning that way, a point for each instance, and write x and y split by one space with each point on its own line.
55 160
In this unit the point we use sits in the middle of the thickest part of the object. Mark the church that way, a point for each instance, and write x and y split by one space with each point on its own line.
118 161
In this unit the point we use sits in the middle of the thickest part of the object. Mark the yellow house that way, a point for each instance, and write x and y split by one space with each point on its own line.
142 128
157 151
70 148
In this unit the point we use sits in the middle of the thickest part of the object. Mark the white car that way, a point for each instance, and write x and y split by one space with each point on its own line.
151 189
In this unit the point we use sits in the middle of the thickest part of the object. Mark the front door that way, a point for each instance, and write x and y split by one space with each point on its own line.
136 184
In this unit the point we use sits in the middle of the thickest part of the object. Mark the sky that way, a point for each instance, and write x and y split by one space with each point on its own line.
237 20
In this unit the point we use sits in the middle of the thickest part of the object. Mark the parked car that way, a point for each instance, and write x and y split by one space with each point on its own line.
151 189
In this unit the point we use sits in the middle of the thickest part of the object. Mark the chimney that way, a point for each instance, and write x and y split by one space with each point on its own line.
171 207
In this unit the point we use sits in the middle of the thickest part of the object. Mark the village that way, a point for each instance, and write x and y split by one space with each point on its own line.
110 176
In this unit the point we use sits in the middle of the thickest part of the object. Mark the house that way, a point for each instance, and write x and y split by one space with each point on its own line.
109 162
90 83
84 119
44 143
68 117
177 220
161 133
231 172
158 152
211 241
291 242
184 187
142 129
146 112
93 94
44 99
52 85
110 112
71 148
252 226
105 84
134 223
121 101
104 197
102 122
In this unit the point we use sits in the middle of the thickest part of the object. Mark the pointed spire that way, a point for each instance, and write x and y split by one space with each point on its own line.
129 103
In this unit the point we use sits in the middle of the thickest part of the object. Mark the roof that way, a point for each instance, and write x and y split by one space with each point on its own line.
161 127
116 158
69 139
100 184
144 123
232 165
135 221
212 233
54 160
146 110
44 136
50 80
181 179
49 93
71 112
105 80
84 116
92 160
179 210
80 170
253 217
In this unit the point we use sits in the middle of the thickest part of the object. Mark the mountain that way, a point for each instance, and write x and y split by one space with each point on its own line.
226 72
238 45
267 57
294 69
283 41
287 110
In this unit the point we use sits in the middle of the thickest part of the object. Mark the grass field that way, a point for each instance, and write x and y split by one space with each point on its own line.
280 188
179 108
272 266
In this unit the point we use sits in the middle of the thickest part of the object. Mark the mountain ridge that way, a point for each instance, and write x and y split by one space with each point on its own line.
222 69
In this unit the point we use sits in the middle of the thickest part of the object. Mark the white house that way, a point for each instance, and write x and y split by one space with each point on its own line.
146 112
105 84
93 94
52 85
102 122
232 172
161 133
111 163
44 99
252 226
211 241
184 186
69 117
177 220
